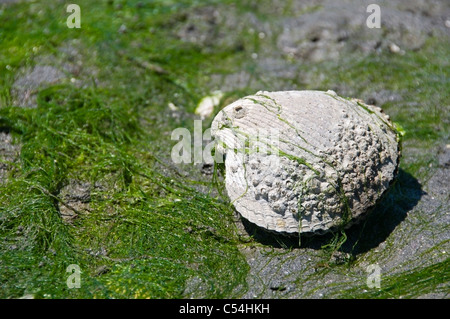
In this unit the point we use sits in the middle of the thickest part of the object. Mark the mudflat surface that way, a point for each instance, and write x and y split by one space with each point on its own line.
128 218
409 230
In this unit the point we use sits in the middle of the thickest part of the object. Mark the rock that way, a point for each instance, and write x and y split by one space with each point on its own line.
396 49
206 106
305 161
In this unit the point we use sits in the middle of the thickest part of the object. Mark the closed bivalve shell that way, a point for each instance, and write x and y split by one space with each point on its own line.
305 161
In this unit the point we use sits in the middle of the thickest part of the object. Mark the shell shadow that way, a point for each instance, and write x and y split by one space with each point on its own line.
384 217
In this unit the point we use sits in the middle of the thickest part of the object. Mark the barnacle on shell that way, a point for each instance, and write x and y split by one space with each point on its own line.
305 161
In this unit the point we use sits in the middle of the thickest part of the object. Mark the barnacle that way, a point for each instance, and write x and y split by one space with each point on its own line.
305 161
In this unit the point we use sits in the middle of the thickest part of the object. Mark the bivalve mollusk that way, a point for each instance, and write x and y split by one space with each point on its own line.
305 162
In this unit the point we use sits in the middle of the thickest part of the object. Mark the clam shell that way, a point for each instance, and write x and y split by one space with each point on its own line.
305 161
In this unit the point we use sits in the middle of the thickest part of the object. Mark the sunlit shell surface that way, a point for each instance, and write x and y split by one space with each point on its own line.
305 161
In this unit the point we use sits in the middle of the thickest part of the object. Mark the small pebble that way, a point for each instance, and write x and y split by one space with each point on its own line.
396 49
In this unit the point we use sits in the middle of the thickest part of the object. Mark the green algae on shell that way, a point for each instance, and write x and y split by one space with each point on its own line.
305 161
